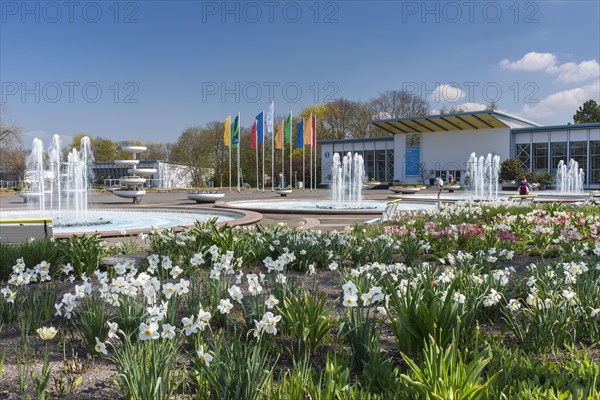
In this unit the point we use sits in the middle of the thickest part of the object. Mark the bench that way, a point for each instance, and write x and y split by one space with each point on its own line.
19 230
390 210
523 197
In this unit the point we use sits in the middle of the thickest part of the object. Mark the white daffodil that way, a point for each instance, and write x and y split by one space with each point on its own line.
225 306
206 358
149 331
100 347
189 326
168 331
271 302
350 300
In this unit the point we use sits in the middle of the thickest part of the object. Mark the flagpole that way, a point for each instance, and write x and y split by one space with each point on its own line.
311 145
315 147
230 144
263 152
256 145
239 127
291 135
282 156
273 151
303 165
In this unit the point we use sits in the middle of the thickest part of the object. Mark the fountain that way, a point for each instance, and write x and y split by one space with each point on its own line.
347 176
132 183
569 177
483 176
59 189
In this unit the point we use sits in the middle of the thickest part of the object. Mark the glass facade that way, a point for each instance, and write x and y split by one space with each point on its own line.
523 152
594 162
379 164
578 152
581 144
540 157
558 151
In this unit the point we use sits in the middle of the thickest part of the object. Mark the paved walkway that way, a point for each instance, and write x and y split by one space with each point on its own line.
179 200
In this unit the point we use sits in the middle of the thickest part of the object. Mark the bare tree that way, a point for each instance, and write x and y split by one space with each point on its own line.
194 150
12 153
398 104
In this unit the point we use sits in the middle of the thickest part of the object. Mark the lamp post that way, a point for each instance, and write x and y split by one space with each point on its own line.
221 179
296 178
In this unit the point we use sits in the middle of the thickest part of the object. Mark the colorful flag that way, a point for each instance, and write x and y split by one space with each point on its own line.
308 131
259 127
253 136
270 118
300 137
235 132
288 130
279 137
314 130
227 133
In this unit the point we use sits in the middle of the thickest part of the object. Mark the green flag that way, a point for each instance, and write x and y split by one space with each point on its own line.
288 130
235 132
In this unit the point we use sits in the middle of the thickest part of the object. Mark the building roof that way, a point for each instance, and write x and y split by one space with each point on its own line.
465 121
358 140
568 127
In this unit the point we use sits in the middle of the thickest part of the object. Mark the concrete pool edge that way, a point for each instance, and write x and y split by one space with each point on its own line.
241 217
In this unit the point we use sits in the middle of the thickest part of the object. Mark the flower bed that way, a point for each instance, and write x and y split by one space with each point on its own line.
496 299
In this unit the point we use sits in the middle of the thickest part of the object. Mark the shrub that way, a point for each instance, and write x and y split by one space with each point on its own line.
511 169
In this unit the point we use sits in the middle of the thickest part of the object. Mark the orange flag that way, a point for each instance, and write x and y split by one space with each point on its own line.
279 137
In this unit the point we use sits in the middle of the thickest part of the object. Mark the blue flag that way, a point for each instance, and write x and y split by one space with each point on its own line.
300 138
259 127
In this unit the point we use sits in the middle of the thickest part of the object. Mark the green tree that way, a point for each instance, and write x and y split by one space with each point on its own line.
105 150
588 113
511 169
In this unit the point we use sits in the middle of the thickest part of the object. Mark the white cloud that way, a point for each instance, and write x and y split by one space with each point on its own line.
567 73
446 93
562 103
572 72
472 106
531 61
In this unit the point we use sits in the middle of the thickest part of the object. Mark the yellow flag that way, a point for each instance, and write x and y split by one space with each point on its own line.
279 137
308 131
227 133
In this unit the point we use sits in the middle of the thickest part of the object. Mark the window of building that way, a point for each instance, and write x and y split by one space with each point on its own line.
558 152
369 159
594 162
523 152
380 165
390 165
540 157
578 152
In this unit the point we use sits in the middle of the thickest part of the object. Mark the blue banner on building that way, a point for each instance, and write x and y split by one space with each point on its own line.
413 159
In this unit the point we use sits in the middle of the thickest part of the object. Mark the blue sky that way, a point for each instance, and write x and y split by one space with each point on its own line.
147 70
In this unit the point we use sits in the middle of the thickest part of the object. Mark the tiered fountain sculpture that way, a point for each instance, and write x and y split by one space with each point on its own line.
133 184
569 177
483 176
59 189
347 176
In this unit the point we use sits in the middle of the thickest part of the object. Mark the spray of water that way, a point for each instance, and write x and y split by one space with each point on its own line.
483 176
59 189
569 177
347 176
